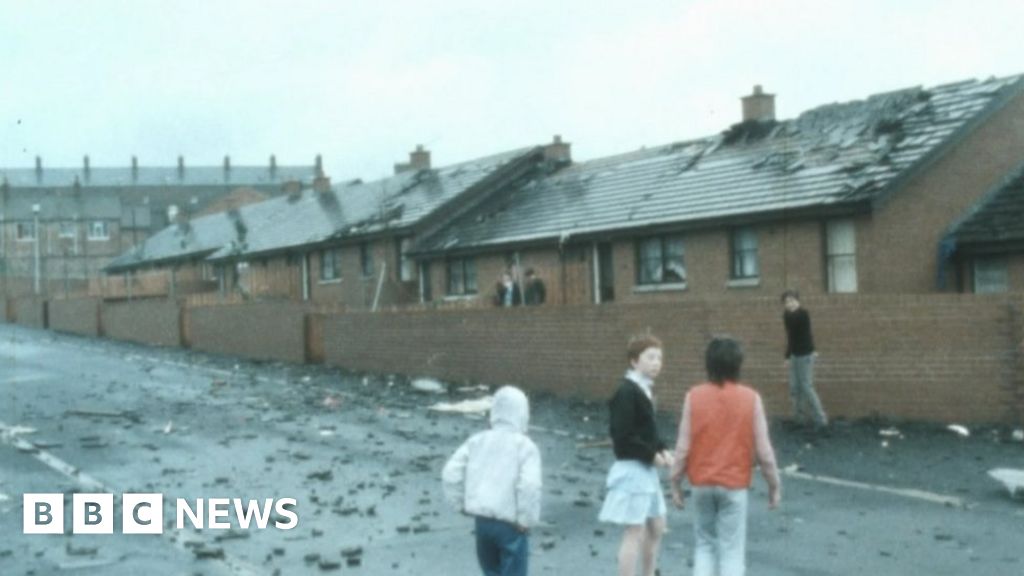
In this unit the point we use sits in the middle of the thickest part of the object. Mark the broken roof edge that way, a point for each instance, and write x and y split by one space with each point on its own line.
115 268
1012 91
990 196
799 212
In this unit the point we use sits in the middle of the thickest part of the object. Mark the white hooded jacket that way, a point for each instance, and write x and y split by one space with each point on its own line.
497 472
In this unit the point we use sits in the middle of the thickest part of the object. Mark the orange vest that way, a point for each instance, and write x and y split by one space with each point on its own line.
721 435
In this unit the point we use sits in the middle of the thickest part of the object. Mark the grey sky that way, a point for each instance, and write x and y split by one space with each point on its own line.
363 83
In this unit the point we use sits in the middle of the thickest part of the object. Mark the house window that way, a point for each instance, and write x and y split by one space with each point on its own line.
67 230
98 230
841 256
26 231
745 262
330 264
462 277
661 260
990 276
406 265
365 259
208 272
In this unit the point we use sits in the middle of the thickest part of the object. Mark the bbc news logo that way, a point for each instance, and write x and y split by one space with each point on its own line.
144 513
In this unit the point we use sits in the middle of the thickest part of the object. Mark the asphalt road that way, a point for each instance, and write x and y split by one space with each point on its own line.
361 455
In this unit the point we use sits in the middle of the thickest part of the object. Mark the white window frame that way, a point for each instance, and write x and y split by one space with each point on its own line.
841 256
745 254
462 286
19 234
990 275
643 279
67 229
93 235
334 256
407 269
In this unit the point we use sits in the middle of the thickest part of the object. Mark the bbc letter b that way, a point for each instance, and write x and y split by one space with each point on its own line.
43 514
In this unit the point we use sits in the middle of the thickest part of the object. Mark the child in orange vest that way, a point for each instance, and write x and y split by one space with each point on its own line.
722 432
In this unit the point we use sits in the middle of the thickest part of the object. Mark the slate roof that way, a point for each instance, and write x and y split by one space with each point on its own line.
348 210
156 176
843 154
95 205
996 219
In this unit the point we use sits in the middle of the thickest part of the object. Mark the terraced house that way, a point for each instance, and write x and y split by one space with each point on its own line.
344 244
855 197
59 227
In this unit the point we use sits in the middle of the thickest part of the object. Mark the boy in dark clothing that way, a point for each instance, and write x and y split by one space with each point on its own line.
535 291
800 357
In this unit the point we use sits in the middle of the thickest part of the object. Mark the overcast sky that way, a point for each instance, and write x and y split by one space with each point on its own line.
364 82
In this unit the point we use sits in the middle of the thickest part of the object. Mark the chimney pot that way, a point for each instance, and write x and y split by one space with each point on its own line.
181 167
322 184
135 168
85 167
758 106
227 167
319 166
273 166
39 169
558 153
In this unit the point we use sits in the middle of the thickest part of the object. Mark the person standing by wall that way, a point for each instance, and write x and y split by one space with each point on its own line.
800 358
507 292
535 292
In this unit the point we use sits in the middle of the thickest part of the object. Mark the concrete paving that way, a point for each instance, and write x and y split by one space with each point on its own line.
361 455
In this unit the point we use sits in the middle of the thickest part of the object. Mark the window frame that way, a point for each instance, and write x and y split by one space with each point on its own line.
1004 271
737 268
62 232
366 260
332 255
466 267
19 234
664 255
833 258
92 229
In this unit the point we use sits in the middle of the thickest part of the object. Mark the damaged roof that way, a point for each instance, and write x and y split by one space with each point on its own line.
844 154
997 220
347 210
155 176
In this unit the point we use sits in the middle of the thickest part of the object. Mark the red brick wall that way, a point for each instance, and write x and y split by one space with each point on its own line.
78 316
30 312
156 322
259 330
940 357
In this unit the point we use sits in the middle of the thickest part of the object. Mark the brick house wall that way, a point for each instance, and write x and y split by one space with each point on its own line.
929 357
257 330
897 247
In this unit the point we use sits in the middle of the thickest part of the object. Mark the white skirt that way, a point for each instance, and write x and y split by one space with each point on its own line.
634 494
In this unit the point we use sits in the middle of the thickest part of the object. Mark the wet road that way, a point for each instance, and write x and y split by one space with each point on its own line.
361 455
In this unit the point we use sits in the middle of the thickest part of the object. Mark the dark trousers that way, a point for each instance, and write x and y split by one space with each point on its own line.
501 548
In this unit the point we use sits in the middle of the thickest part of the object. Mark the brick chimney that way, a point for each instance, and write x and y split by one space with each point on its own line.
319 166
39 170
86 172
135 169
419 159
322 184
273 167
758 107
558 153
293 188
227 168
181 167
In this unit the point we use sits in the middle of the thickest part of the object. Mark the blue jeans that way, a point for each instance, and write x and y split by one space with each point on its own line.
501 548
720 531
801 390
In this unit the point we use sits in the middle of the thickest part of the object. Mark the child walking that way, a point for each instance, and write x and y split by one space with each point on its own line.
634 497
722 432
495 476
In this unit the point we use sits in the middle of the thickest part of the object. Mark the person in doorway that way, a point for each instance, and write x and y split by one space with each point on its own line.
507 292
722 432
535 291
495 476
634 498
800 358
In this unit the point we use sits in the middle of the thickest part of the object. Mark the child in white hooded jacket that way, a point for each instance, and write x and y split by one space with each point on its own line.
495 476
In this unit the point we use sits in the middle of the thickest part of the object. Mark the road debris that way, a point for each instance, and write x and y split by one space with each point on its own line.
959 429
1011 478
169 427
428 386
129 415
476 406
1018 435
890 433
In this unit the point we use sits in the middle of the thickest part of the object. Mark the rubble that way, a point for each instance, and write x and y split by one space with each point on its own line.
428 385
475 406
1011 478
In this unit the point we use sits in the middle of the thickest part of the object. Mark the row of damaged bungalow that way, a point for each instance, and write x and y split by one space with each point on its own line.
914 191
